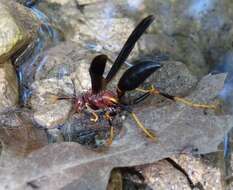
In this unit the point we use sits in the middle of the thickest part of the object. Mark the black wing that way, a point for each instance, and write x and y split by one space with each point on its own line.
129 45
96 71
136 75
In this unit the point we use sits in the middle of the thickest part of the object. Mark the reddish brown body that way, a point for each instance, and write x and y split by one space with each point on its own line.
102 100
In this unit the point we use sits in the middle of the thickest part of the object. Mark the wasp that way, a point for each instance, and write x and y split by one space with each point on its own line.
109 103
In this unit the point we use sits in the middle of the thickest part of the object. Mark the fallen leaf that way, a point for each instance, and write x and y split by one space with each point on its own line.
20 137
72 166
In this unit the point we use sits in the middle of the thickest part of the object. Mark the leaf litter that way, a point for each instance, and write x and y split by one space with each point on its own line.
179 128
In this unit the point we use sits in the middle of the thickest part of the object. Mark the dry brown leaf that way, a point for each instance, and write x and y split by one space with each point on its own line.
72 166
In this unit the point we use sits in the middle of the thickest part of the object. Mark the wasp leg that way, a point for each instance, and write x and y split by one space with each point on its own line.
107 116
111 135
109 119
155 91
95 117
148 133
136 75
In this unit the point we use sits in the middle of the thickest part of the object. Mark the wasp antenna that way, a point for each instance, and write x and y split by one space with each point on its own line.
129 45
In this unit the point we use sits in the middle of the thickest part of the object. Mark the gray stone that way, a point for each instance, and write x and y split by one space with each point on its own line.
174 78
18 27
66 60
48 111
111 33
100 33
201 170
179 48
8 86
162 175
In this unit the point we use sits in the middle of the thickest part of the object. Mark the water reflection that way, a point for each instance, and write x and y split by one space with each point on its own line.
47 36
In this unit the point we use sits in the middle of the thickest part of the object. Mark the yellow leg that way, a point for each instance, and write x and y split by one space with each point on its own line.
107 116
194 105
155 91
152 90
111 135
146 131
95 117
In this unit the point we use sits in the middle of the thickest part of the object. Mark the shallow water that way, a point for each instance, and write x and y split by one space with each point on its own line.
47 36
